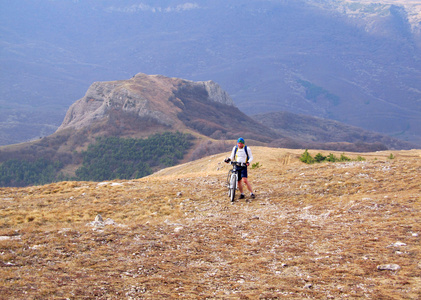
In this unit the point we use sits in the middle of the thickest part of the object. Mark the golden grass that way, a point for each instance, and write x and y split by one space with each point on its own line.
313 232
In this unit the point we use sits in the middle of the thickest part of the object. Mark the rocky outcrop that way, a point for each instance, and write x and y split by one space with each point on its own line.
145 96
215 93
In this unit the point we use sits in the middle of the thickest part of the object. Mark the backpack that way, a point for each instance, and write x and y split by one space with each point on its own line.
245 149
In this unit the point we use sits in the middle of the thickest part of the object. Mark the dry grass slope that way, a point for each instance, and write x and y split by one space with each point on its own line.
313 232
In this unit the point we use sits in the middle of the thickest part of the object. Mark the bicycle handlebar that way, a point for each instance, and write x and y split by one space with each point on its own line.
240 164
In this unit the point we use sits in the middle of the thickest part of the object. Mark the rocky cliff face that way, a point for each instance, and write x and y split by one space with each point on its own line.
145 96
146 103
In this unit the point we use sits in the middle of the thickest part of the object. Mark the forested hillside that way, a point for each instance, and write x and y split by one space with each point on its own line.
107 159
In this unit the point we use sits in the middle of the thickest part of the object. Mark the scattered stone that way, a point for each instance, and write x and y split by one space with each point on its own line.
388 267
7 237
308 285
398 244
179 194
178 229
109 183
110 222
99 222
98 218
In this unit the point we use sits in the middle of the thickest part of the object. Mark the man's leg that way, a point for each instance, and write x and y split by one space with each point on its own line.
240 185
247 184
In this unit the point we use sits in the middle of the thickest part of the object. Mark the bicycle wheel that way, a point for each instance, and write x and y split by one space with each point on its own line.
233 186
229 182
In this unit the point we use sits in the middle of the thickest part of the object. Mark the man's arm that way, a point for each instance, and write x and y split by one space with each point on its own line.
232 154
250 154
231 157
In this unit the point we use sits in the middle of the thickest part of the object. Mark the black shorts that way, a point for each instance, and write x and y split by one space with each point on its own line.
242 172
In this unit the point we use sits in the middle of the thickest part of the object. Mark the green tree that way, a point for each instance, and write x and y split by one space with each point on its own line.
127 158
306 157
332 158
18 173
344 158
319 157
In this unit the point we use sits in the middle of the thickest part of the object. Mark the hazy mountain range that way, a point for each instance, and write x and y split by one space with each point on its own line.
357 62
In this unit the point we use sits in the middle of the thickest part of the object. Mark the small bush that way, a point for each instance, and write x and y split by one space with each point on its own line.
306 157
391 156
319 157
344 158
256 165
332 158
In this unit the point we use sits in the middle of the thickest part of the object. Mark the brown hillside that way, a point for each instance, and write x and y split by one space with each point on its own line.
323 231
318 133
130 107
139 107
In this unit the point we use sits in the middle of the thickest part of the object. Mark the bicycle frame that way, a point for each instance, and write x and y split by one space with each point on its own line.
232 179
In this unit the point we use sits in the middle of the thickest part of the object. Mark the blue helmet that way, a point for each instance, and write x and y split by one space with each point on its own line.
241 140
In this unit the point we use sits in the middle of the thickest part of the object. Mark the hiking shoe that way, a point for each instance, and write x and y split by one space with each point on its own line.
252 195
242 196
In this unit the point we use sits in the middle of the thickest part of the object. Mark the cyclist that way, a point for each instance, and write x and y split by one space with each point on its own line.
242 154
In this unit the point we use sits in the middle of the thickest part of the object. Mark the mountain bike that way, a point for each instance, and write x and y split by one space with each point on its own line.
232 179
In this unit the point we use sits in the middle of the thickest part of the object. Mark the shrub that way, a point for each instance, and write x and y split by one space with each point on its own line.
319 157
332 158
344 158
306 157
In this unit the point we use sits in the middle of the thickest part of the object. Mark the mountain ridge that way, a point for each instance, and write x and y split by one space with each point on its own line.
314 132
356 62
120 112
171 103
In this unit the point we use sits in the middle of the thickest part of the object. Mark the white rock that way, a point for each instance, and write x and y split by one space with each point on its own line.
398 244
308 285
6 237
389 267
